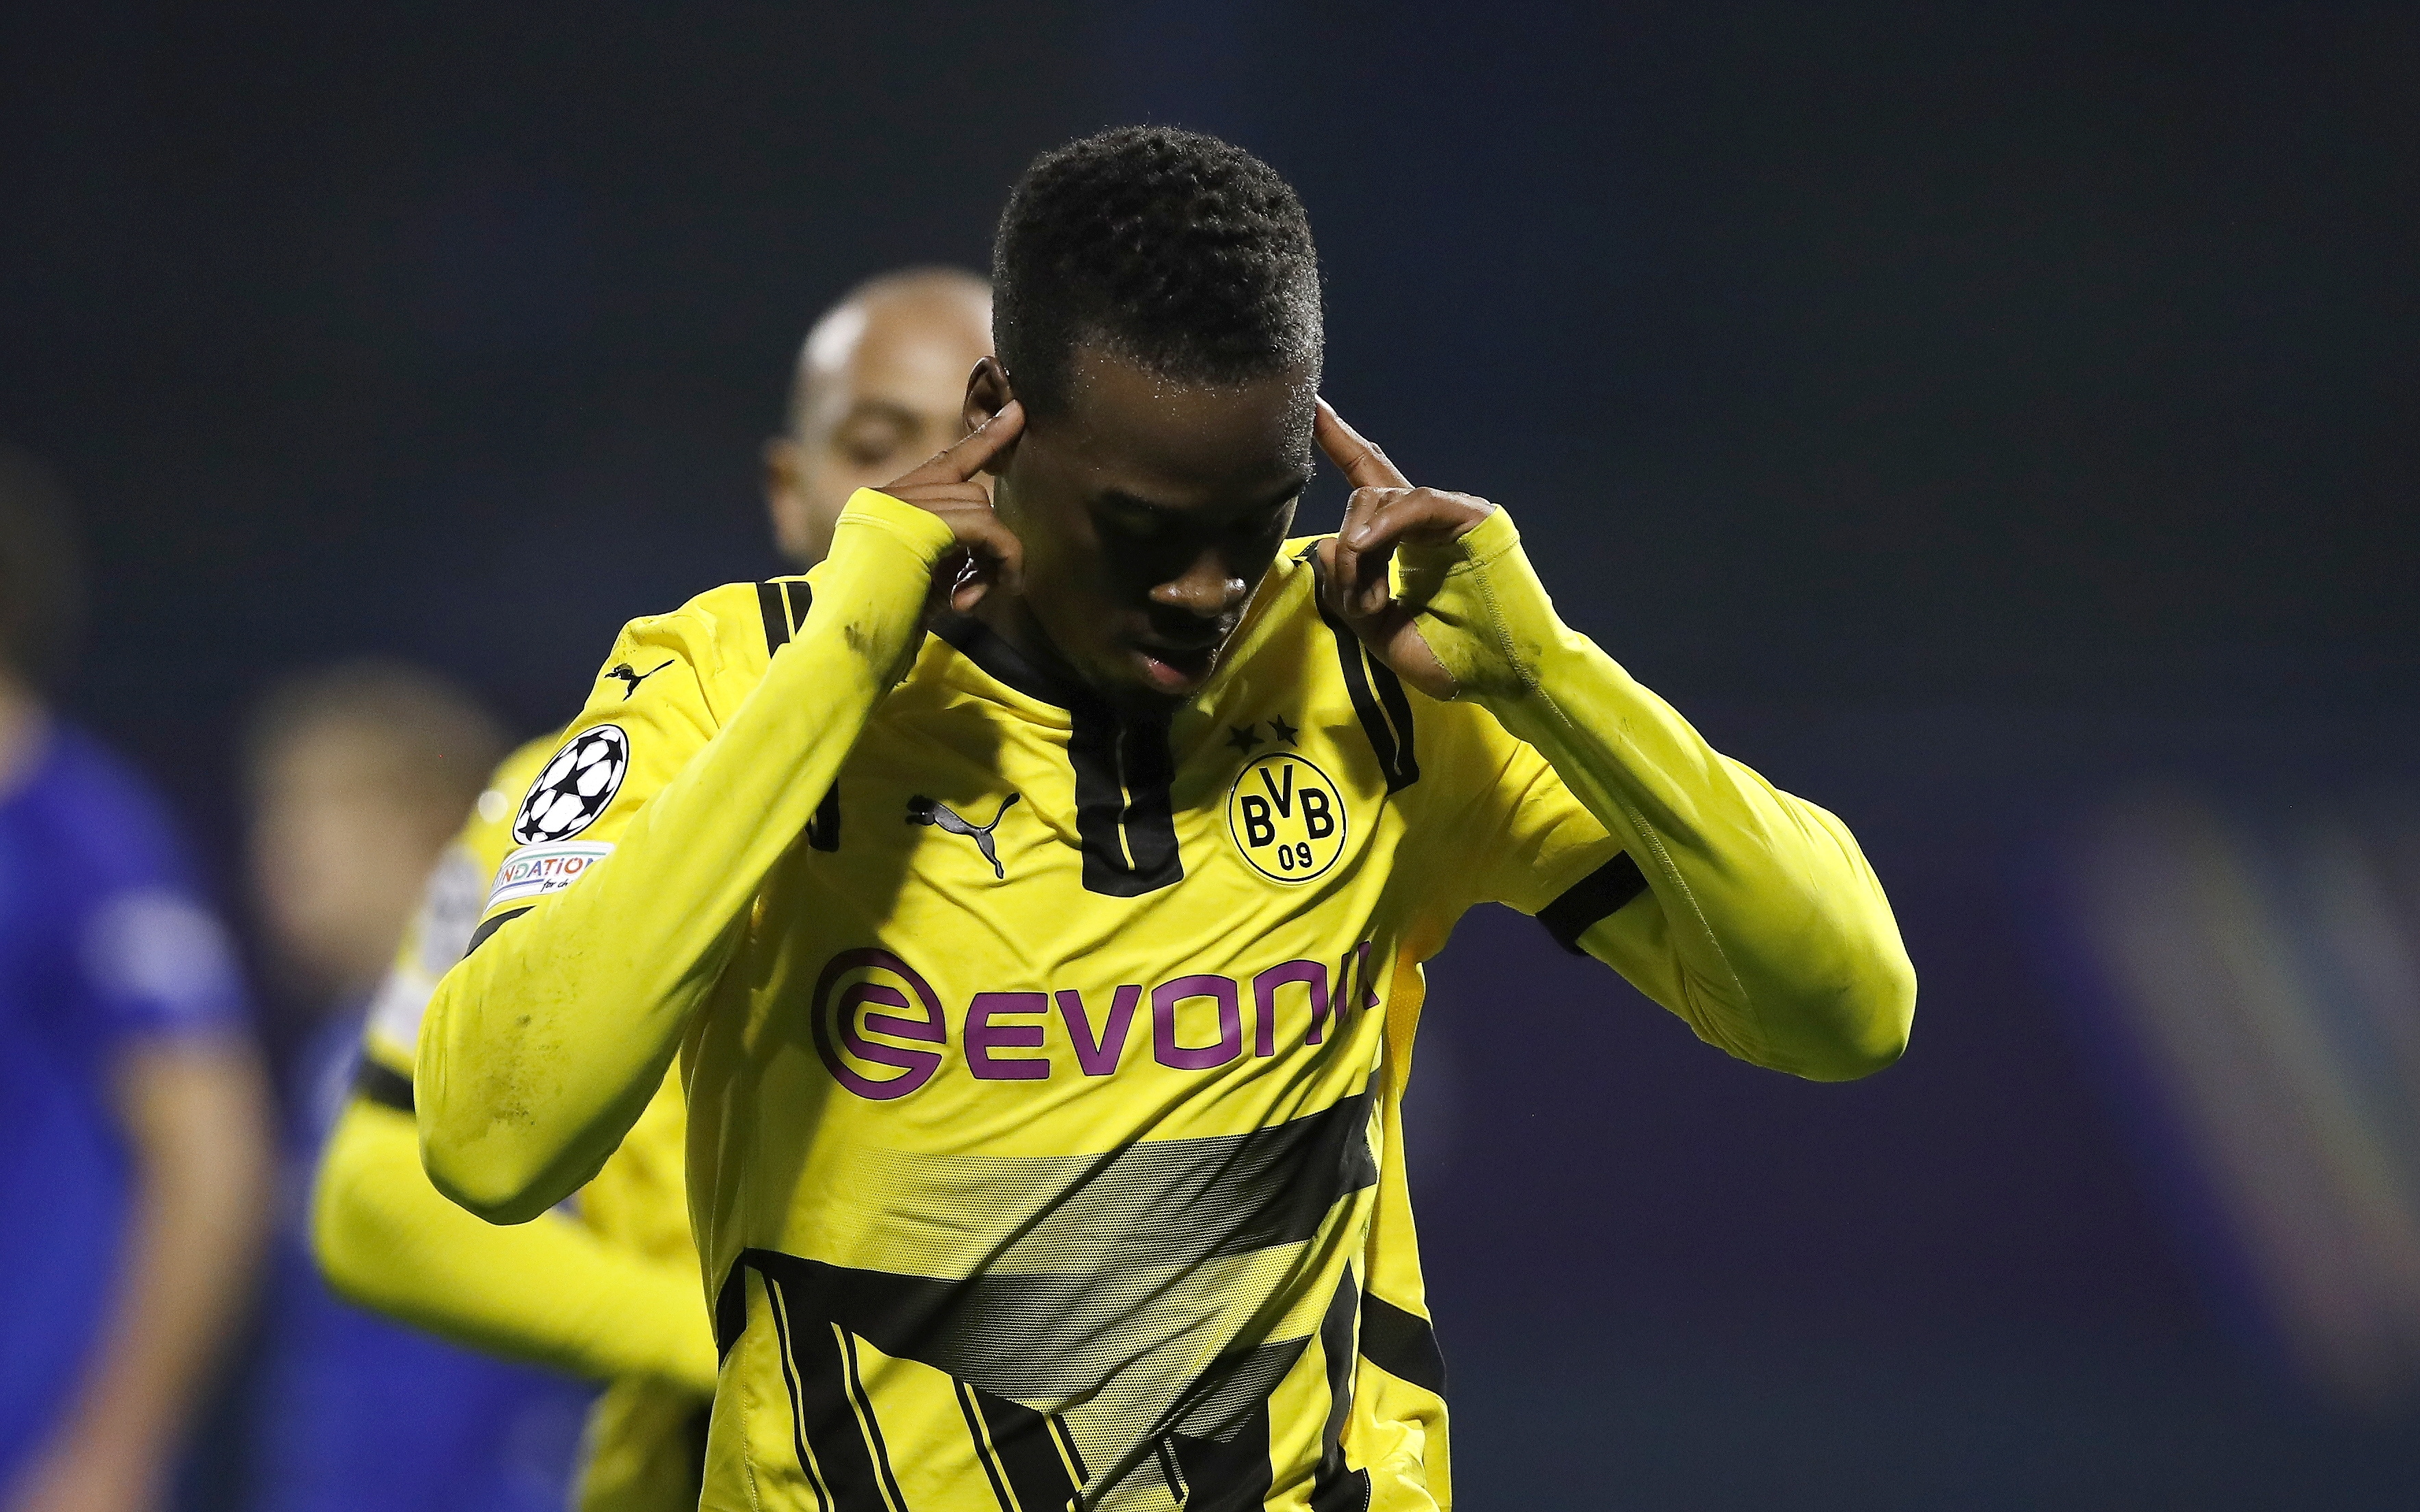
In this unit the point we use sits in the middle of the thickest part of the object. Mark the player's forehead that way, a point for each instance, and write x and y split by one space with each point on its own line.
1128 434
331 751
911 350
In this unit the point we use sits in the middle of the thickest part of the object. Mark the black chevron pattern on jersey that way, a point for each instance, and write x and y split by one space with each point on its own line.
1213 1436
1072 1297
1157 1203
1402 1343
1218 1442
1336 1487
847 1462
1025 1454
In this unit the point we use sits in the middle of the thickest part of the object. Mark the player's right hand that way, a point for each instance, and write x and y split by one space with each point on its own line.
987 552
1386 514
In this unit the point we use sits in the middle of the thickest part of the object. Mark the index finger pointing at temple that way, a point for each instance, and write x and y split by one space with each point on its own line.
974 450
1364 465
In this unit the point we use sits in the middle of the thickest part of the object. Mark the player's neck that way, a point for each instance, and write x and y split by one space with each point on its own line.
1008 616
23 722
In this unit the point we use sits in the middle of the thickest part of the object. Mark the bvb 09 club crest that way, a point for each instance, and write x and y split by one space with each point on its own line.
1288 819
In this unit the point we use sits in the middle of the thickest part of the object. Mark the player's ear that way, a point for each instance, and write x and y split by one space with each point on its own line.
988 392
785 499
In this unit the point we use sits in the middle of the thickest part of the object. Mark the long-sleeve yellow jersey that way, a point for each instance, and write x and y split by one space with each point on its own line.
606 1289
1043 1060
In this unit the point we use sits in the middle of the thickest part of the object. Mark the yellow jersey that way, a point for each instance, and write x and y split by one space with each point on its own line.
1042 1061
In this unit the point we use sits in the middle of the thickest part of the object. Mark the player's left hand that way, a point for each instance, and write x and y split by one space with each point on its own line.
1386 513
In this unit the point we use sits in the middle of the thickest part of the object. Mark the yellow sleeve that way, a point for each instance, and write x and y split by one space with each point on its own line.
1761 922
548 1291
552 1292
1541 843
542 1047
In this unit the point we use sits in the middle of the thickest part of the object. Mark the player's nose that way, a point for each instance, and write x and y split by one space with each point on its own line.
1208 588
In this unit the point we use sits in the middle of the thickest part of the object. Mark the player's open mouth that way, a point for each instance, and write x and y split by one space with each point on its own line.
1172 670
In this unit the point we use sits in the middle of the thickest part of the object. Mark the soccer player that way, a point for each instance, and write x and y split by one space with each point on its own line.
612 1292
1035 894
133 1145
358 774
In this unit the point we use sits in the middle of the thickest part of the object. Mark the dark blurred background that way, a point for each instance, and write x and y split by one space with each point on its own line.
1992 421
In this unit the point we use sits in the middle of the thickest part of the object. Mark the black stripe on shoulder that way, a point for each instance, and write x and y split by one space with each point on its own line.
1591 898
1402 1344
487 927
1376 692
384 1086
823 830
773 604
1398 709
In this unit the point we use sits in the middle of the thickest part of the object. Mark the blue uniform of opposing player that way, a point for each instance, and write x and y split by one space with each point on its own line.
132 1153
104 953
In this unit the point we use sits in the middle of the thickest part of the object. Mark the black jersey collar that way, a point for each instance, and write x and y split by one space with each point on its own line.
990 650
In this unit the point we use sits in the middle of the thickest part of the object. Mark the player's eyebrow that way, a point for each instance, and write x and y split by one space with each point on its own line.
1170 513
875 406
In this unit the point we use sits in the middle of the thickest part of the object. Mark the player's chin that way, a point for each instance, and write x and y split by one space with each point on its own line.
1148 684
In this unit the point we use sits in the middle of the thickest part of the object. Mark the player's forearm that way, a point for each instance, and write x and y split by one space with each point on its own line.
540 1049
1785 944
549 1291
194 1118
1782 945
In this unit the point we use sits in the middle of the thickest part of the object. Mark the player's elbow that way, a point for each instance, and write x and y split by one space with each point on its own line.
1871 1047
1858 1022
476 1152
484 1182
472 1163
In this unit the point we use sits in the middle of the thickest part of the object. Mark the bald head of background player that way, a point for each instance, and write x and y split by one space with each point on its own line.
880 384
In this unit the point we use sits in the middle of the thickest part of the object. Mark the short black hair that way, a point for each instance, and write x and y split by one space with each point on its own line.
41 581
1175 250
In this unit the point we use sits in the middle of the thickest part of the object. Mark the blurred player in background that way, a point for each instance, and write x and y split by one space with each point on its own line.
358 774
613 1290
133 1146
866 397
